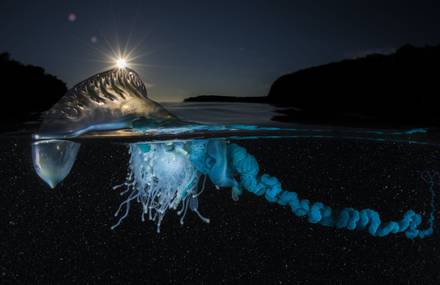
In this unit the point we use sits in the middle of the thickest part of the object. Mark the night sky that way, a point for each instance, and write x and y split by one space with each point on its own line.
187 48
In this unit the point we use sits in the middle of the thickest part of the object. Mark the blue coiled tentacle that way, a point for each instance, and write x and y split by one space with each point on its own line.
246 167
221 162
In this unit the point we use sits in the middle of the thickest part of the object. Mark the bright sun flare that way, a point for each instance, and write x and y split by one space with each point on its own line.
121 63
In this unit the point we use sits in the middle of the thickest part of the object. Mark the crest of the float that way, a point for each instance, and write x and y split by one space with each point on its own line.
111 100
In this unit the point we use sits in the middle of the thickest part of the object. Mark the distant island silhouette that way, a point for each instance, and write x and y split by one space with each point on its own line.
26 91
396 89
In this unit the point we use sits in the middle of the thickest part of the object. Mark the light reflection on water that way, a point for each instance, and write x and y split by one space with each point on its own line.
225 113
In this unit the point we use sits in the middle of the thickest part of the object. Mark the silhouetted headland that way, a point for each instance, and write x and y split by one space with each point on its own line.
396 89
26 91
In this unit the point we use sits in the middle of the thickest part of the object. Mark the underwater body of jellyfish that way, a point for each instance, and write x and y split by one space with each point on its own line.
161 177
165 176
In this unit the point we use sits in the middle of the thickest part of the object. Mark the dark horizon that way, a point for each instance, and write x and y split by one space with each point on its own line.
225 48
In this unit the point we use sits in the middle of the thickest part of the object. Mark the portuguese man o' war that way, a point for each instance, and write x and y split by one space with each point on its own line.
171 175
164 176
110 100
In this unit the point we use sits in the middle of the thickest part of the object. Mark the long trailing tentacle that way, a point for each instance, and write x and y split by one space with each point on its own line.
246 167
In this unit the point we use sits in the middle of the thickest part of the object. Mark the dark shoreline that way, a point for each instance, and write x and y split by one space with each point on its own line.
398 89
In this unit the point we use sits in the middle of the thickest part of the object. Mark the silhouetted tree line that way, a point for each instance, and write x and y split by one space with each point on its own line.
397 89
26 90
400 88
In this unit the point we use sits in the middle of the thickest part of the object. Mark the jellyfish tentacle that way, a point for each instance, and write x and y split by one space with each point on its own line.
165 175
245 166
161 177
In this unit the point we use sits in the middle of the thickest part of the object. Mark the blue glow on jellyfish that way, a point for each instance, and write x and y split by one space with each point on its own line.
163 176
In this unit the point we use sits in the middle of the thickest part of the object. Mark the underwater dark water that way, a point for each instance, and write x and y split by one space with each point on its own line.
63 235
